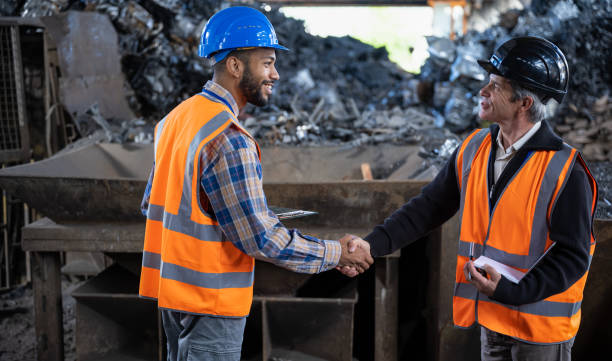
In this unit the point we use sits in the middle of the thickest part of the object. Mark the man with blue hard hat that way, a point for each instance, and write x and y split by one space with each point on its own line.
207 216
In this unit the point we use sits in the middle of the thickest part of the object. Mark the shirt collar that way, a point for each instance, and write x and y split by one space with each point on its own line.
519 143
217 89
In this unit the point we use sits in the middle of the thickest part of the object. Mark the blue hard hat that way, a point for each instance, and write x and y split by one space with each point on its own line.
236 28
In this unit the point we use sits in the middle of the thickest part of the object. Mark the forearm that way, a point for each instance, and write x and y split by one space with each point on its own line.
557 271
438 201
242 212
289 249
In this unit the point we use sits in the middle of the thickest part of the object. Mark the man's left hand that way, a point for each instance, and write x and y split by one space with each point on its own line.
483 284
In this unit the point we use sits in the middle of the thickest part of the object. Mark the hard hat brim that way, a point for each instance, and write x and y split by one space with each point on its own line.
489 67
220 55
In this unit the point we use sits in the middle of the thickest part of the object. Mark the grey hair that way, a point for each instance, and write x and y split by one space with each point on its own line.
537 112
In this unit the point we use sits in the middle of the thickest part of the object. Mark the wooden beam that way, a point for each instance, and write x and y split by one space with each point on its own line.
366 171
46 282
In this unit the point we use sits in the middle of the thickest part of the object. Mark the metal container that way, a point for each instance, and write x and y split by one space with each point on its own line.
94 183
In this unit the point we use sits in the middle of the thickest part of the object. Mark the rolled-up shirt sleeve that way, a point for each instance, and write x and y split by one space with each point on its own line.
144 204
233 185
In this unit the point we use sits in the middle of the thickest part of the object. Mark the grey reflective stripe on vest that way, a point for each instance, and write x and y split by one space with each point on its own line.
539 228
207 280
568 149
207 129
541 308
494 253
464 249
466 290
182 222
468 155
204 232
173 222
151 260
195 278
155 212
540 218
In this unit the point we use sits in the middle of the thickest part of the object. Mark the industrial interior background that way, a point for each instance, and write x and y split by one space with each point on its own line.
348 133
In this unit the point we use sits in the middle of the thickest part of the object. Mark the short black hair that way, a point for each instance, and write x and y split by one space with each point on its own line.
242 55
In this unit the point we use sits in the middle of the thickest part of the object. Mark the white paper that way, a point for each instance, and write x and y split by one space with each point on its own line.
510 273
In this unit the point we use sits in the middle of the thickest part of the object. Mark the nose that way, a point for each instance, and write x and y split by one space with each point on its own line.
484 91
274 73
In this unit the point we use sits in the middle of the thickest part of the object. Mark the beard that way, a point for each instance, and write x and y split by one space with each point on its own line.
252 89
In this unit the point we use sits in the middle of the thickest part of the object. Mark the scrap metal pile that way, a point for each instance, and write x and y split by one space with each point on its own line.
581 28
340 90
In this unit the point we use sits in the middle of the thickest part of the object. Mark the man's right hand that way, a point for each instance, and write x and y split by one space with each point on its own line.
355 257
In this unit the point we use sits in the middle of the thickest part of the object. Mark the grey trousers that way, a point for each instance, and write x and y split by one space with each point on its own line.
497 347
202 338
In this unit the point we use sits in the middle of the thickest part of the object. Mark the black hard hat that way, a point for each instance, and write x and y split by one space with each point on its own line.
535 63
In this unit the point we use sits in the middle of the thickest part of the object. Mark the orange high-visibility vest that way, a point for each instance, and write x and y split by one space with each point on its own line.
515 233
188 265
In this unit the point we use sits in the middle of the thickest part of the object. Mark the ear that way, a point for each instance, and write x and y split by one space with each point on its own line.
526 103
234 67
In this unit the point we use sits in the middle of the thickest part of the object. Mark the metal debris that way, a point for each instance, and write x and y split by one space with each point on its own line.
38 8
341 91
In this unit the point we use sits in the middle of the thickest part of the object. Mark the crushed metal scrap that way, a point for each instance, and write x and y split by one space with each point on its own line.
341 91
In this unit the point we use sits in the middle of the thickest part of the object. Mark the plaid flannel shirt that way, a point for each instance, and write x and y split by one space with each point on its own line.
232 183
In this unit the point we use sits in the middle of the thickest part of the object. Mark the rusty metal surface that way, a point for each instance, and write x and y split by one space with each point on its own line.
98 182
325 328
352 204
106 182
112 319
91 70
386 283
14 20
283 299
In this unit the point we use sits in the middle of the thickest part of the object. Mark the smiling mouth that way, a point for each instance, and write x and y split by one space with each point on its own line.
269 87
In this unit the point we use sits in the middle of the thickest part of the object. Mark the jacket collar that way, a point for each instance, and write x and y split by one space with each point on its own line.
544 139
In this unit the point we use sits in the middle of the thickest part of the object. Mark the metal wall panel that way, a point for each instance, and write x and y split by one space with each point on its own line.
13 127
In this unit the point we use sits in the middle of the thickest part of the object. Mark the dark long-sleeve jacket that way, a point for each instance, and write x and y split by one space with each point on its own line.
570 224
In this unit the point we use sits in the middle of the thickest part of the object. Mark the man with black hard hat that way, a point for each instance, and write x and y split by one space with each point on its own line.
527 201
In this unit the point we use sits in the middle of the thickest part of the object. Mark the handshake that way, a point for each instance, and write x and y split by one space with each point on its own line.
355 257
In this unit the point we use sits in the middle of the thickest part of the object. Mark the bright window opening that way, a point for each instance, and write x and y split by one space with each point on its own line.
401 30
